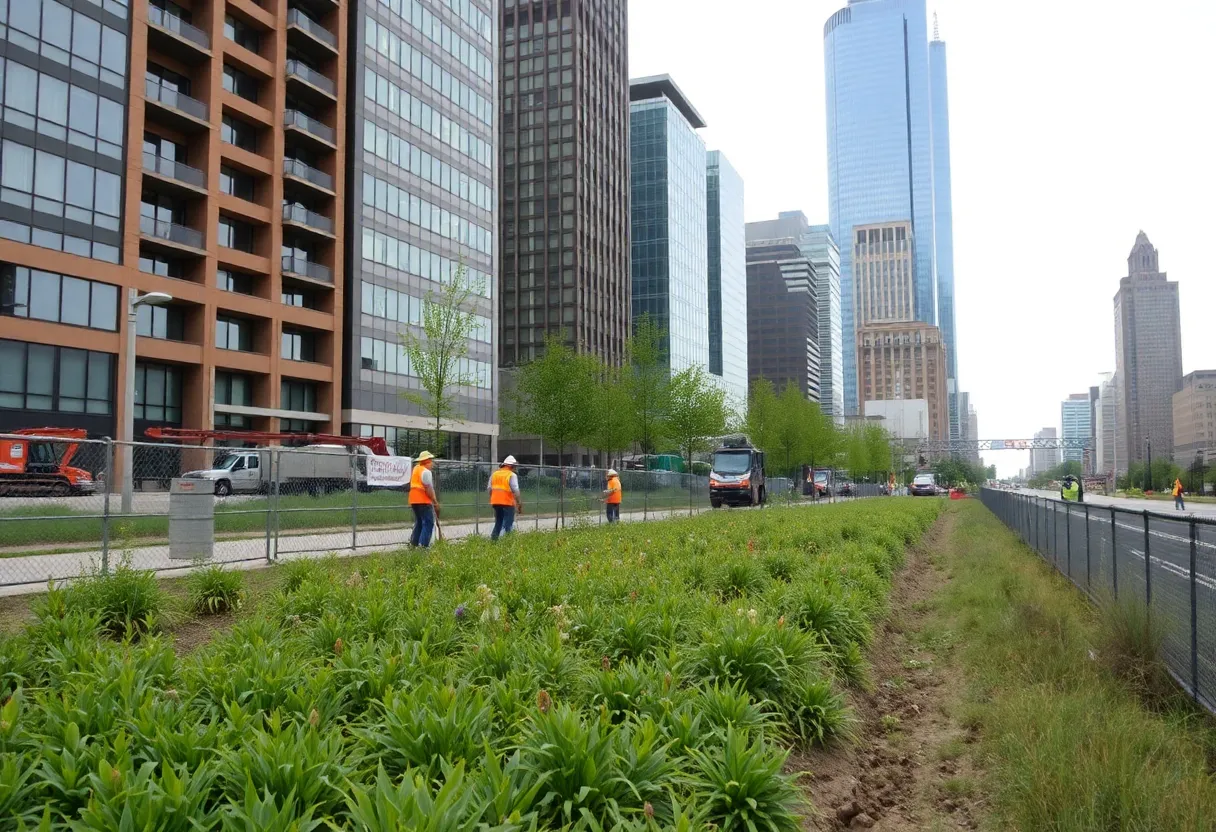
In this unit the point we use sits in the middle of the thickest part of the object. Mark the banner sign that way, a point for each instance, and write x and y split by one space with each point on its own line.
388 471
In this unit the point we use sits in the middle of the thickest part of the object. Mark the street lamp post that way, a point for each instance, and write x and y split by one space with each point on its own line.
1148 469
127 434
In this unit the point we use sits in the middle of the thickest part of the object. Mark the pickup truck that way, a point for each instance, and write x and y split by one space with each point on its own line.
315 469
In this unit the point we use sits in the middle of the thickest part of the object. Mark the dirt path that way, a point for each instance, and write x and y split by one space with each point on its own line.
909 768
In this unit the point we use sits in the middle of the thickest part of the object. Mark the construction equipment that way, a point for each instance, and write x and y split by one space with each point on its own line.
43 468
375 444
736 477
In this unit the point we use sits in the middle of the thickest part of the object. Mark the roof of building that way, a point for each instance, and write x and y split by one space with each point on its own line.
662 86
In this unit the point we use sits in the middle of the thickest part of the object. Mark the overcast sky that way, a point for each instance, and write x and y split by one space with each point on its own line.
1074 124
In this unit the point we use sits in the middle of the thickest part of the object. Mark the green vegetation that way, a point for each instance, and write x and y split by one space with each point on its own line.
1058 473
958 472
631 677
1069 743
214 590
1164 474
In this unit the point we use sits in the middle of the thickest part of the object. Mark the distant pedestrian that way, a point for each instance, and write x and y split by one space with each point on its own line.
1179 503
423 500
612 496
504 497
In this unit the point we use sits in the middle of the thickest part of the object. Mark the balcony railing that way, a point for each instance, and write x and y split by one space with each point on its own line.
177 100
174 24
300 170
307 268
295 17
294 118
170 231
174 170
305 73
300 214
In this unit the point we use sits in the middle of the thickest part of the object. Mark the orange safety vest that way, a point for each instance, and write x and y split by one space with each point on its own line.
418 495
500 488
614 491
1177 488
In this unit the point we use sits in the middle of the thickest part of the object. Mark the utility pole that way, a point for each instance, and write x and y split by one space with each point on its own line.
1148 469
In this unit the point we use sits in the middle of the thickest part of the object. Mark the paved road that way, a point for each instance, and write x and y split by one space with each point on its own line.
1205 510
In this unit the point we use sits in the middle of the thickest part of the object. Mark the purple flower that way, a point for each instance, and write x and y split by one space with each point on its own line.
460 611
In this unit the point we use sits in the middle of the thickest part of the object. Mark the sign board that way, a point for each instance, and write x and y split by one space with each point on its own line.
388 471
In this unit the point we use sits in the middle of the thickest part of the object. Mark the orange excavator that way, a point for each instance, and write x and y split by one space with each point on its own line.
43 468
375 444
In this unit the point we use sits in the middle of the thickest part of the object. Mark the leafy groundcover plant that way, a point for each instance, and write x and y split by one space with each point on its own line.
644 676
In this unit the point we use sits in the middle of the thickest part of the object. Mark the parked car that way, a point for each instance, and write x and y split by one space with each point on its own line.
845 489
924 485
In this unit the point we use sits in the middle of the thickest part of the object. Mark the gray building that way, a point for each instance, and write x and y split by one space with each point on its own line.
727 278
421 201
1044 459
819 246
1075 424
564 127
782 316
668 203
1105 418
1148 354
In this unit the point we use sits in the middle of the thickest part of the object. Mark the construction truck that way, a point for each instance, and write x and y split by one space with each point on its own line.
315 464
38 463
736 477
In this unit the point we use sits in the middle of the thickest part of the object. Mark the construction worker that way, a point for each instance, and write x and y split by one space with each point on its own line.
423 500
1179 503
1070 489
612 496
504 497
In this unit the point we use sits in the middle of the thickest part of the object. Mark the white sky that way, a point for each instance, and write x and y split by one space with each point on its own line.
1074 124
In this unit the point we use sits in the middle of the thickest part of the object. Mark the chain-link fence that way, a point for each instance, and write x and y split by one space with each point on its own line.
67 507
1166 562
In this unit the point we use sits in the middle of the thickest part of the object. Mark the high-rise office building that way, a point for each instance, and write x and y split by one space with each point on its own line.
905 360
973 433
1148 354
421 213
564 125
782 316
727 278
668 204
817 245
1195 418
1044 459
883 280
1075 424
225 123
943 213
1104 425
882 134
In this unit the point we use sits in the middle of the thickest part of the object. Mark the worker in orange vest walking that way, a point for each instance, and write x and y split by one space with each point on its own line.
423 500
1179 503
612 496
504 497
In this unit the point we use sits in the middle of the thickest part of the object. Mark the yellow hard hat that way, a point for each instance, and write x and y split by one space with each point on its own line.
424 456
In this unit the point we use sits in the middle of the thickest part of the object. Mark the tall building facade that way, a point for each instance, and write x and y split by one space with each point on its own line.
422 213
782 316
882 134
1105 418
1044 459
943 214
973 433
1195 418
668 204
883 280
1148 354
226 124
905 360
564 193
1075 424
727 278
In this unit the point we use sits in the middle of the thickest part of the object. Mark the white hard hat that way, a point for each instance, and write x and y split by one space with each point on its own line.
612 472
510 460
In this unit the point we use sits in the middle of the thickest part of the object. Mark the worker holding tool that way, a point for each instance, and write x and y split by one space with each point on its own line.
612 496
423 500
504 497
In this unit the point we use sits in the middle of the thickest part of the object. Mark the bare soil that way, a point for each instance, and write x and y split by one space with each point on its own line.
911 767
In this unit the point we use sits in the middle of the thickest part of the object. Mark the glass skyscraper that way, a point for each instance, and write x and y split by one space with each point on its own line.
943 218
882 134
727 278
668 202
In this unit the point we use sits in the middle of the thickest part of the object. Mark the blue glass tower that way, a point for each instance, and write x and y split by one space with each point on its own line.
943 219
727 279
881 141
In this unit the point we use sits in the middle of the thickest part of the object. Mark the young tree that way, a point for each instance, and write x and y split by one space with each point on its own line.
763 416
696 411
648 382
554 396
438 356
878 448
611 427
856 452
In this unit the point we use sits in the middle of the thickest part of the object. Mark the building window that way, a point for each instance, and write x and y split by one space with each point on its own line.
235 234
236 183
241 33
50 184
46 296
296 297
239 83
233 334
158 393
70 38
164 322
241 134
233 389
45 377
298 346
160 265
237 282
300 396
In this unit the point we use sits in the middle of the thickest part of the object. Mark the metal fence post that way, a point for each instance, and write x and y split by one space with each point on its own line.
536 514
354 502
276 458
1068 537
1087 566
1148 569
1114 554
1194 619
476 498
105 509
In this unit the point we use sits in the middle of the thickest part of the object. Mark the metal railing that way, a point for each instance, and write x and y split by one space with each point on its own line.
307 268
175 170
295 17
173 23
301 70
294 212
294 118
170 231
302 170
174 99
278 503
1167 562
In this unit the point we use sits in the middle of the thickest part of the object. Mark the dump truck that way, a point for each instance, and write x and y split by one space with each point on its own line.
736 477
37 462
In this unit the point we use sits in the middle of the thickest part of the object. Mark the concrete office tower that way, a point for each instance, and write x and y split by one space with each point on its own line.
422 202
818 245
1104 425
1044 459
564 125
882 134
1148 354
668 203
225 125
1194 422
1075 424
727 279
973 433
883 279
782 316
905 361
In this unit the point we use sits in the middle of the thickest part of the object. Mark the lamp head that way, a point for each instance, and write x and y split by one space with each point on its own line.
153 299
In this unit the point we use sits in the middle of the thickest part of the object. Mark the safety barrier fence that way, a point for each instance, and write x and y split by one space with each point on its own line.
1167 562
